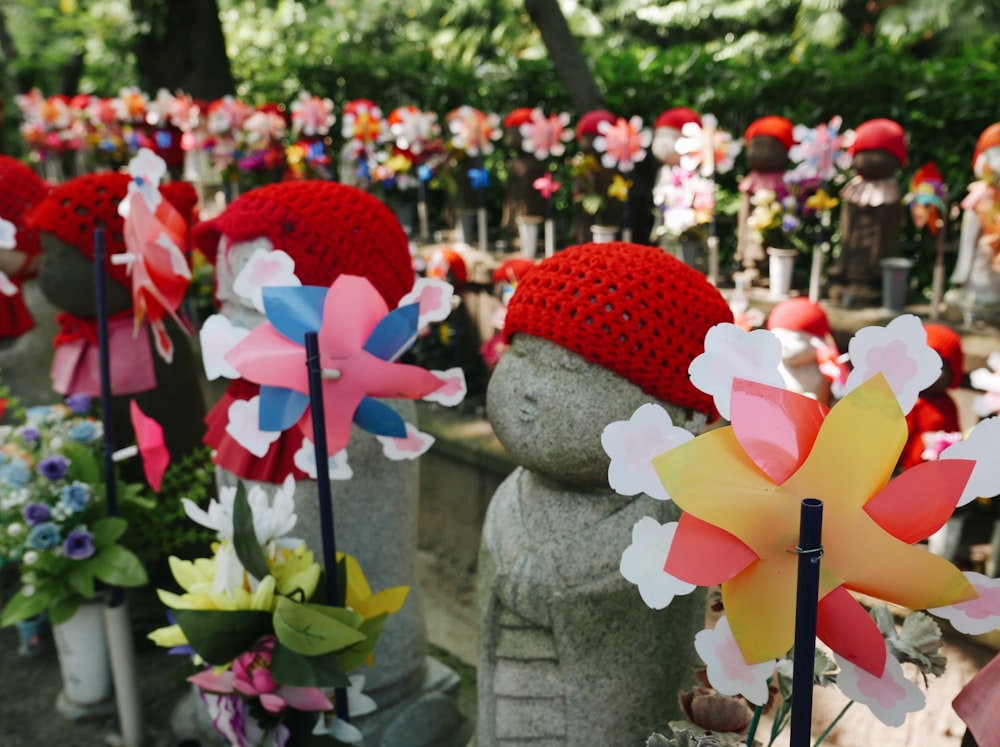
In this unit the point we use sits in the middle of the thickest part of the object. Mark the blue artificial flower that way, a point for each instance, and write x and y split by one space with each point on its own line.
79 544
479 178
16 473
36 513
85 432
30 434
53 467
75 497
163 139
79 403
43 536
424 173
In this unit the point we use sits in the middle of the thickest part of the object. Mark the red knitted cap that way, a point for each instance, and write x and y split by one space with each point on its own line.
21 189
948 345
990 138
632 309
72 210
800 314
677 117
328 228
512 270
774 126
445 261
880 134
589 121
518 117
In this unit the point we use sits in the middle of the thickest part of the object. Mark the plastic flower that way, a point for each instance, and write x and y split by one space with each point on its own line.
79 404
623 143
705 148
79 544
76 496
730 353
727 670
821 152
889 695
743 514
43 536
977 616
546 185
53 467
479 178
820 201
633 443
619 187
545 136
899 351
36 513
642 563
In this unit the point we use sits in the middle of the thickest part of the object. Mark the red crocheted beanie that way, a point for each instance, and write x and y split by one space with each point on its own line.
676 118
72 210
779 128
948 345
589 121
328 228
512 270
518 117
632 309
880 134
989 138
800 314
21 189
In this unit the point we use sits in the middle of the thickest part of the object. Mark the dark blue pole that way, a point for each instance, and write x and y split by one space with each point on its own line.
104 358
334 594
810 551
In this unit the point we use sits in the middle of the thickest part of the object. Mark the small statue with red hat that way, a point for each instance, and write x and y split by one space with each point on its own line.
521 199
591 180
768 141
977 270
871 212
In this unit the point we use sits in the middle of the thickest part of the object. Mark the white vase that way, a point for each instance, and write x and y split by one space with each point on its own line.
603 234
82 647
527 232
781 262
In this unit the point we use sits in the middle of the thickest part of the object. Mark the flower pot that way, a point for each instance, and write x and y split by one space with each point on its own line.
604 234
781 262
82 647
466 225
527 231
29 635
895 282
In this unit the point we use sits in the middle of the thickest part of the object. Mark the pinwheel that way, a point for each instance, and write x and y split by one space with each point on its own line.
545 136
312 116
473 131
359 343
413 129
622 144
821 151
155 234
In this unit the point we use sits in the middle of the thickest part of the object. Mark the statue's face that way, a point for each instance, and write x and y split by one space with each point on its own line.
875 164
238 309
664 145
767 154
548 406
66 279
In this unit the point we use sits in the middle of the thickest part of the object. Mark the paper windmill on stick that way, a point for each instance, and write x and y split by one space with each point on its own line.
360 342
155 237
740 520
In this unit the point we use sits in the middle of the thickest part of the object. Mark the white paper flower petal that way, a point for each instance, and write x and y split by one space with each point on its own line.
218 336
244 427
890 697
900 352
7 286
642 563
413 445
452 391
8 235
265 269
435 299
345 732
305 460
633 443
731 352
727 670
980 447
359 704
977 616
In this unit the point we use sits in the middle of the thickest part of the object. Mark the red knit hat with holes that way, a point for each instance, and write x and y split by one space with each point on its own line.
518 117
779 128
21 189
946 342
632 309
802 315
677 117
512 270
328 228
880 134
72 210
589 121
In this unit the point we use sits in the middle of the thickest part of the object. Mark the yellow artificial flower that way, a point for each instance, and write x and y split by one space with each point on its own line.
619 187
399 164
296 569
821 201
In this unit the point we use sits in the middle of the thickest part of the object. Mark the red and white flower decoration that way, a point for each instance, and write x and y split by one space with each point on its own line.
473 131
622 143
545 136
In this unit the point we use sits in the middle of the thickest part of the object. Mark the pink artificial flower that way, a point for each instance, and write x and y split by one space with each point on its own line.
545 136
623 143
546 185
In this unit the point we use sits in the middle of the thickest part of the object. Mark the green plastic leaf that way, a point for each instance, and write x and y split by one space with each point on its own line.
63 610
107 531
245 539
219 636
355 656
313 630
84 463
117 566
81 580
20 607
291 668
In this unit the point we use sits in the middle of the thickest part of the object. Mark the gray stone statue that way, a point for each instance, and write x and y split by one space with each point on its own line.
569 654
329 229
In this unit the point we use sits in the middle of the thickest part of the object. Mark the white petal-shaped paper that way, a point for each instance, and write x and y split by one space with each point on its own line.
452 391
435 299
633 443
980 447
305 460
890 697
642 563
725 667
412 446
244 427
977 616
218 336
265 269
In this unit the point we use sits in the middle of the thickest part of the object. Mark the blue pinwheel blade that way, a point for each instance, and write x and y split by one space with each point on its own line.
395 333
295 310
379 419
281 408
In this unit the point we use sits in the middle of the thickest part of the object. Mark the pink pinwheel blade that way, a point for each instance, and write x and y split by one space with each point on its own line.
353 308
844 625
160 276
152 446
704 554
267 357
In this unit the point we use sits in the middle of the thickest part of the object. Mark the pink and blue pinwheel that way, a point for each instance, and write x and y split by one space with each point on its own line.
821 152
360 341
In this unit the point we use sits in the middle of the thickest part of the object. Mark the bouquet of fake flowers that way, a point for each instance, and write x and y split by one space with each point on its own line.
53 515
253 616
775 219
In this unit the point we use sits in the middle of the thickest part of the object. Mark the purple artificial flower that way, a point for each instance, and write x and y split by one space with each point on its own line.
36 513
30 434
43 536
78 403
79 544
53 467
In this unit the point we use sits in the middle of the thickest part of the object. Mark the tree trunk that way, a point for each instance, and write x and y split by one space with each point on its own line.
186 49
564 50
